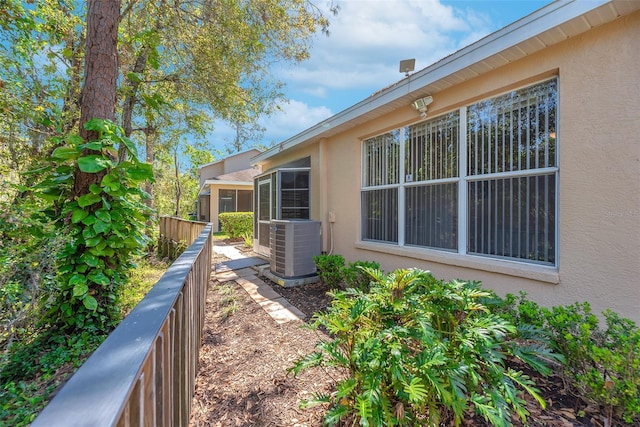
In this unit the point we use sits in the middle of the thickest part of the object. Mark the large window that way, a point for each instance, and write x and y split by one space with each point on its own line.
480 180
235 201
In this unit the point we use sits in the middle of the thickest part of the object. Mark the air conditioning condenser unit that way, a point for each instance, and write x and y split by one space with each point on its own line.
294 243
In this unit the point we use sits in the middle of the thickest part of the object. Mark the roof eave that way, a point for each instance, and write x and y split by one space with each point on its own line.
222 182
527 28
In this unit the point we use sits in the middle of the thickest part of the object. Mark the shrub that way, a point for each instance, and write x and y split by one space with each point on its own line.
330 269
602 364
356 277
518 309
420 351
235 224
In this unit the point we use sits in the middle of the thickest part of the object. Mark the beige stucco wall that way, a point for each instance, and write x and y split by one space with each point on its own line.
210 171
599 187
213 200
239 161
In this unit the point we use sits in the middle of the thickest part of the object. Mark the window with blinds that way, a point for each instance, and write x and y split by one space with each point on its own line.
431 179
511 152
380 177
498 198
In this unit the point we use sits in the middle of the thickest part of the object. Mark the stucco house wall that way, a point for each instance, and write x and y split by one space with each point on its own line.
231 173
233 163
599 175
215 195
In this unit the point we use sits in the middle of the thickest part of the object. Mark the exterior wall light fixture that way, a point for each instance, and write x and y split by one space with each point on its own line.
421 105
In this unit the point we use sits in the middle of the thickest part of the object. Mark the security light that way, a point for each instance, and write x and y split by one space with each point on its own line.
421 104
407 65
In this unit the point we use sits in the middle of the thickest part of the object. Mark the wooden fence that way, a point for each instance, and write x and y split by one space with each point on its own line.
144 372
176 234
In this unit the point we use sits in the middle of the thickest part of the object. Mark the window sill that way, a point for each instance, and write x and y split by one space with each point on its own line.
539 273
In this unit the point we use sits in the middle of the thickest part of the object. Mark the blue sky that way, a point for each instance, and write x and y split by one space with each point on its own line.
368 38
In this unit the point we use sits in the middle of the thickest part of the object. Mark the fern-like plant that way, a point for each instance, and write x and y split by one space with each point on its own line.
415 350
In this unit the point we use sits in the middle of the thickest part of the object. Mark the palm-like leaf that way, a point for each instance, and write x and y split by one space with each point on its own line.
416 390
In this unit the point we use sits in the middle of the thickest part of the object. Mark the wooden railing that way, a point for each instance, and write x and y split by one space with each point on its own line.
180 230
144 372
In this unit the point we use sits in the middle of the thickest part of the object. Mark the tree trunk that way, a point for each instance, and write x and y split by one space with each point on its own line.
100 76
72 99
150 134
178 187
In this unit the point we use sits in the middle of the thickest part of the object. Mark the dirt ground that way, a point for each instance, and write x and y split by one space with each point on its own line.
242 379
245 355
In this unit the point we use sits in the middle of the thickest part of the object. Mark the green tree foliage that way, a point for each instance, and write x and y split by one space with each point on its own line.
181 64
41 53
184 63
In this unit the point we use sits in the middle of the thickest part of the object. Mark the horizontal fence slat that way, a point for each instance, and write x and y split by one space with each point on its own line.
143 369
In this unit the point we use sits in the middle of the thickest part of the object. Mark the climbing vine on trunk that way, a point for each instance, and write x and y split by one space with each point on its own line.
105 225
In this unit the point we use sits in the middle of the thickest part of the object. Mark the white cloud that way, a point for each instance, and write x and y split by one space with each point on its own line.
292 118
368 38
318 91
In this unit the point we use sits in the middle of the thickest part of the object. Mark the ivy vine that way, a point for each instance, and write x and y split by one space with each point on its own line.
105 226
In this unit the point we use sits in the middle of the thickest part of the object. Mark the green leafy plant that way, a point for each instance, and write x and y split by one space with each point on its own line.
27 266
105 226
247 237
355 276
415 350
603 364
140 280
330 269
34 368
235 224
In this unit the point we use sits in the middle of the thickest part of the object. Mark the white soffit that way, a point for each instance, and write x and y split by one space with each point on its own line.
545 27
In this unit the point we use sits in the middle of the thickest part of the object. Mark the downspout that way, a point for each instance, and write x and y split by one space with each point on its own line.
324 192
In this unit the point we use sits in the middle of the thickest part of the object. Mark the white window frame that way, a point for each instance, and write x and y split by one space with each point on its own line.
463 181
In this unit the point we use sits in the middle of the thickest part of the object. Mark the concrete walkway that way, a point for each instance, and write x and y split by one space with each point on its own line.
244 271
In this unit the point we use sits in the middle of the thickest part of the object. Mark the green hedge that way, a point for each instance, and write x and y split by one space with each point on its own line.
235 224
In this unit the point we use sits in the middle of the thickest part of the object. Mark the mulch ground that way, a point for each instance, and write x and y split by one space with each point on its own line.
242 378
245 354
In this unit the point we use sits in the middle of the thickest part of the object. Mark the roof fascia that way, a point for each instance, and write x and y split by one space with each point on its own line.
219 182
229 157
